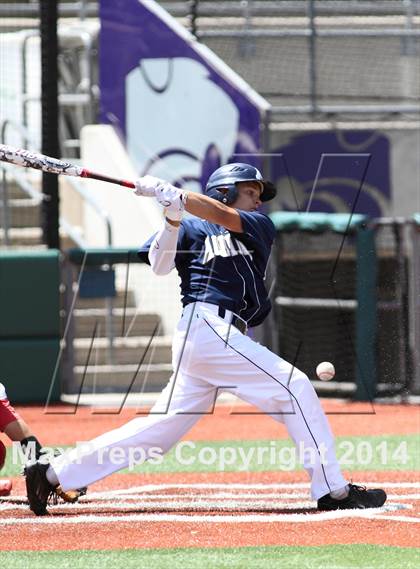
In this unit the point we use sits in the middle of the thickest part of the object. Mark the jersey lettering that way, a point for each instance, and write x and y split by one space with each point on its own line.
223 245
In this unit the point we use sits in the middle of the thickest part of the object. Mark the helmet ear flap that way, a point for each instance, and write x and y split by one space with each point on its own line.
224 194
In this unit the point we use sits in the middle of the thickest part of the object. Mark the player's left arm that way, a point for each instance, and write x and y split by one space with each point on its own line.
213 211
163 248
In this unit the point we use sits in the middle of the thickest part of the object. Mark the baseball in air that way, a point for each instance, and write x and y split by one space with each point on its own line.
325 371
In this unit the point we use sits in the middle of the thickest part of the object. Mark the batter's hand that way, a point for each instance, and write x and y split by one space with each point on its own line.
173 201
170 197
148 185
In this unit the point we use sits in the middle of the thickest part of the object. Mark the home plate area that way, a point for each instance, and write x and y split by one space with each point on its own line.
210 503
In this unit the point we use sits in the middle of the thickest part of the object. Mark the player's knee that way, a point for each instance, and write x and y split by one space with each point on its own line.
300 382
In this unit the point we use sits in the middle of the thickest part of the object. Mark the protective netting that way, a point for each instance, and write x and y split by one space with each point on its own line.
21 120
362 51
275 67
392 292
308 335
20 123
315 305
414 303
368 70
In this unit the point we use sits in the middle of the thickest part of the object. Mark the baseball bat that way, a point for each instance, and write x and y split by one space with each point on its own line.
29 159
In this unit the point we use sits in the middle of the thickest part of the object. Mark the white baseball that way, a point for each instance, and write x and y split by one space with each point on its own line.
325 371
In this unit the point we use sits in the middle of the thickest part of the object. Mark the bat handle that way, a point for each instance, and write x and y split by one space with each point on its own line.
93 175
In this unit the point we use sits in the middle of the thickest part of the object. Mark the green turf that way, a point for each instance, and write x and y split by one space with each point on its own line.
358 454
353 453
328 557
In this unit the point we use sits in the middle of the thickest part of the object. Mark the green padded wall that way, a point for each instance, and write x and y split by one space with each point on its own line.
27 369
29 294
30 324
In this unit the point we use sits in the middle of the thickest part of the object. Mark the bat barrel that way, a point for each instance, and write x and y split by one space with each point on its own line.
28 159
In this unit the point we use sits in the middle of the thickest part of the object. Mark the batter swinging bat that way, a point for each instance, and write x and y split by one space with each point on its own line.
29 159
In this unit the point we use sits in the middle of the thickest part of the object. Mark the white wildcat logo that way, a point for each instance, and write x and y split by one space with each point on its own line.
167 135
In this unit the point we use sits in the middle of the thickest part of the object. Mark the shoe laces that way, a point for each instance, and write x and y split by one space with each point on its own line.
358 487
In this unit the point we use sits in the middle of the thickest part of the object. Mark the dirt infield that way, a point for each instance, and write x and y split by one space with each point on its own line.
218 509
210 510
227 422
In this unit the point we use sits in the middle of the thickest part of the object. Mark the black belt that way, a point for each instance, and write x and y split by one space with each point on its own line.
240 324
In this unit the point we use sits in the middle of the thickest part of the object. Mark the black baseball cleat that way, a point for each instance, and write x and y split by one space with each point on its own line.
359 498
38 489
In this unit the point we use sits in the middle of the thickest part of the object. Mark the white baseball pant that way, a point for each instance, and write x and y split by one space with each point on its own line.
210 356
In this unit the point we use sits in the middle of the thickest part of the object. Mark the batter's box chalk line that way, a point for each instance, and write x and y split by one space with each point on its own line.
190 519
260 487
258 503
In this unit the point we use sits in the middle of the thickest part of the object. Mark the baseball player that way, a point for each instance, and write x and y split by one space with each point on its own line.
221 254
12 425
17 430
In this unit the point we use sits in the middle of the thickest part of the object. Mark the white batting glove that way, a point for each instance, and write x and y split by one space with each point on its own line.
147 186
173 200
170 197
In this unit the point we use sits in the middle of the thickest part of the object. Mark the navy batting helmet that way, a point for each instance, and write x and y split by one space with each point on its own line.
222 183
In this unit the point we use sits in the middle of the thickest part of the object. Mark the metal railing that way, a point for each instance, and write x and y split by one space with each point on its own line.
314 28
81 9
20 180
212 8
85 96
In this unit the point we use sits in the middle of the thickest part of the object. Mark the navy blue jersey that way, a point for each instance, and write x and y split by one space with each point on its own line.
222 267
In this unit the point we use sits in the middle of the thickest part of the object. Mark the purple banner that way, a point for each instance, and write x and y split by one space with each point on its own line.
335 173
181 111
